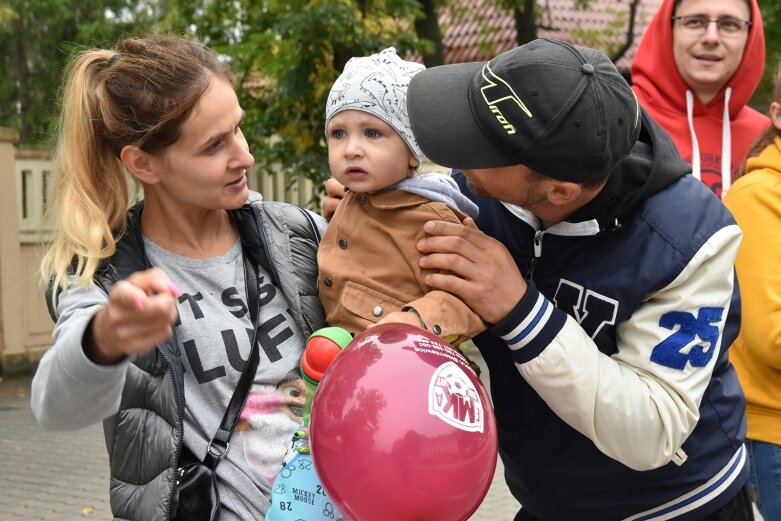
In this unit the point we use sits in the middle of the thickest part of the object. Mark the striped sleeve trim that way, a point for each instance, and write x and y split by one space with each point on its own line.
531 325
726 480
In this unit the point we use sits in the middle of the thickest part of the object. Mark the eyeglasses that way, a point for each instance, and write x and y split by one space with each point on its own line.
697 24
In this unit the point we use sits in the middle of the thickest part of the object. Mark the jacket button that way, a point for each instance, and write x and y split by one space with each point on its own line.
436 329
328 281
343 244
377 311
361 199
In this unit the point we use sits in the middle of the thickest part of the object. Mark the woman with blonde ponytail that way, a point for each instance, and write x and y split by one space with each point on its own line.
151 302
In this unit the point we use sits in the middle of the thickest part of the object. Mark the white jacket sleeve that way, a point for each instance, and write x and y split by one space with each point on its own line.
69 391
639 405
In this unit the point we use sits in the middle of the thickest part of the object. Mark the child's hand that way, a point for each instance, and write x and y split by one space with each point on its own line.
404 317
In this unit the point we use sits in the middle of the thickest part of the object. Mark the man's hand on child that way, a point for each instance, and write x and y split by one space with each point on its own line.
472 266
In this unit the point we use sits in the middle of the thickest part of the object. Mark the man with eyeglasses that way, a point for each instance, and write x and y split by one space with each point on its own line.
718 49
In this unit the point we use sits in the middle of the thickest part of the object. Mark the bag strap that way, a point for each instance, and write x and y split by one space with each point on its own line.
220 443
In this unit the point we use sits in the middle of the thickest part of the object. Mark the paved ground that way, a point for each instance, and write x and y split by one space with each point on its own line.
44 475
49 476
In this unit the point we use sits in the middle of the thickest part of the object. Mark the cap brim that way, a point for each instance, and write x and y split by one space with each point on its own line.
442 120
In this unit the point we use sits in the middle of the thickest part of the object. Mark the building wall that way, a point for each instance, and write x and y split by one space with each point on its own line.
14 272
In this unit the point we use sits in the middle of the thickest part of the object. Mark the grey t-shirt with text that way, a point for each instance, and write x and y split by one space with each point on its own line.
213 333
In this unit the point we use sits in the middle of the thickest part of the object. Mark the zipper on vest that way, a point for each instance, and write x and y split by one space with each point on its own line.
179 440
537 254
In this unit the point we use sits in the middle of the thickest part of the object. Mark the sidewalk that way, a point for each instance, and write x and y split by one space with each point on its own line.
48 475
56 476
63 476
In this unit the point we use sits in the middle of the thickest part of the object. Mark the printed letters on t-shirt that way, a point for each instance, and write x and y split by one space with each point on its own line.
271 332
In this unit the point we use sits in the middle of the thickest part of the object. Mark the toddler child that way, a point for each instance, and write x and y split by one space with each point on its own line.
368 259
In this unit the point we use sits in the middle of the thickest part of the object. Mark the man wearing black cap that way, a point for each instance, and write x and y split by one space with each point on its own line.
606 272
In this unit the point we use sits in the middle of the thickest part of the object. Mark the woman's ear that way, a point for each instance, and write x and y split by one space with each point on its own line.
775 114
142 165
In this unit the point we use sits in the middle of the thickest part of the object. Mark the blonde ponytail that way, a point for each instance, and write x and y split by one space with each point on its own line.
91 185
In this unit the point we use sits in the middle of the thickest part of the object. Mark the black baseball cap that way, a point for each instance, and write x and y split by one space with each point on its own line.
562 110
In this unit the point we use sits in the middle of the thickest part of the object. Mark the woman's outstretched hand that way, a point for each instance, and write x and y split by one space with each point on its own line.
140 314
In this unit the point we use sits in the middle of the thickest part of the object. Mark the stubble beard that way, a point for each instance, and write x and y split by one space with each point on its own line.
478 190
531 198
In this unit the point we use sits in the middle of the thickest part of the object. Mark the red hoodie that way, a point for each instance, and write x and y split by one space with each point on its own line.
663 93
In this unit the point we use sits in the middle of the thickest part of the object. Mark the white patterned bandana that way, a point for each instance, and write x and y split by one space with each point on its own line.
377 84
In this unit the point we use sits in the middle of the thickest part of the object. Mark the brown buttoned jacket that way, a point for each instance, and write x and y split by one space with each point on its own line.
368 263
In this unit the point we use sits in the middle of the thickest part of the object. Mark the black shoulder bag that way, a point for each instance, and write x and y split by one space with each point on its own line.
198 498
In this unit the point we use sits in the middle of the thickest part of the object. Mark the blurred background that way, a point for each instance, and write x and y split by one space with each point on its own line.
286 54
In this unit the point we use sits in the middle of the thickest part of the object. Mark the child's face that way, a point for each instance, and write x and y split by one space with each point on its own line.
365 153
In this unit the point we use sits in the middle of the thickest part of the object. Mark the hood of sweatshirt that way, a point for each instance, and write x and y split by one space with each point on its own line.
713 138
769 159
651 166
438 187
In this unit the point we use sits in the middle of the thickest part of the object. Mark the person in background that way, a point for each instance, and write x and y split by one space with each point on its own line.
755 201
368 261
152 315
694 72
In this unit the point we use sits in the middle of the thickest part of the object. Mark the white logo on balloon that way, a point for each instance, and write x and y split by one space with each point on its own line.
453 398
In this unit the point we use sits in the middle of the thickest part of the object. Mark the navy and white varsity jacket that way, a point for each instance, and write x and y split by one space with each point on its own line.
613 392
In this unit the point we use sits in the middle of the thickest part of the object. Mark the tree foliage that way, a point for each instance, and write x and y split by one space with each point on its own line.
771 18
36 38
285 53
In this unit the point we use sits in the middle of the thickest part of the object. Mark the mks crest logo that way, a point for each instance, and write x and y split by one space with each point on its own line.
453 398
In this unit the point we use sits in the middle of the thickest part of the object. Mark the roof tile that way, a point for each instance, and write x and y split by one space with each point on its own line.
478 23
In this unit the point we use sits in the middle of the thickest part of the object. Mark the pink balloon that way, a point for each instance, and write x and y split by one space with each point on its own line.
402 429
